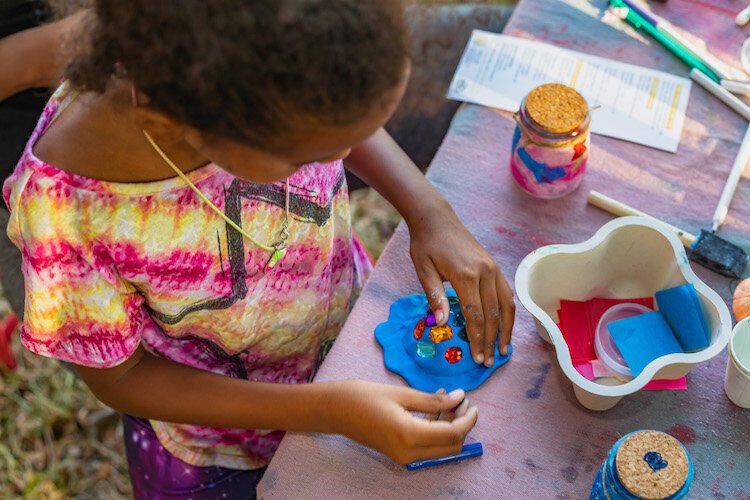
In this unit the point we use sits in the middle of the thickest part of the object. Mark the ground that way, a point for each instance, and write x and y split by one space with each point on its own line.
58 441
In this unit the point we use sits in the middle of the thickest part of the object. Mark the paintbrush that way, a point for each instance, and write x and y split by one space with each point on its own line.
707 249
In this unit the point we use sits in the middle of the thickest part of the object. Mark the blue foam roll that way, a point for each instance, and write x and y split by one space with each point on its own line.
681 308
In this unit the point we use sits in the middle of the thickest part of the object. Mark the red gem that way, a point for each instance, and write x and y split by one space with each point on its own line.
419 329
453 354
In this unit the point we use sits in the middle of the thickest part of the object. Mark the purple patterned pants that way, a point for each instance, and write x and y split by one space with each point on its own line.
156 474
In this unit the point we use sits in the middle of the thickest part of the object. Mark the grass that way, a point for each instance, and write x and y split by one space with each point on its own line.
57 441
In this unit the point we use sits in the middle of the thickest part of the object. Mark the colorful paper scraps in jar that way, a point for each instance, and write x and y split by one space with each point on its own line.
431 357
550 144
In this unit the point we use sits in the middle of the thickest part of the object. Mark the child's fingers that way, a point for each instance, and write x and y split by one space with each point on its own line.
440 433
491 308
426 402
471 306
460 410
435 292
436 416
507 312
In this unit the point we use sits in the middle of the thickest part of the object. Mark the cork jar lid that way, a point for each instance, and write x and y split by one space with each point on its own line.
652 465
556 107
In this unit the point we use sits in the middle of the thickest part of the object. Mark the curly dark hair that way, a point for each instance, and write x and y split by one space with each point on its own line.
246 69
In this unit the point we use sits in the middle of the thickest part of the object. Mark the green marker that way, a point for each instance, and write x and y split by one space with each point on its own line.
624 12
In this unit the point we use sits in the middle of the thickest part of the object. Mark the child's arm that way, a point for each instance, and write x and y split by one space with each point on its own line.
376 415
34 57
441 247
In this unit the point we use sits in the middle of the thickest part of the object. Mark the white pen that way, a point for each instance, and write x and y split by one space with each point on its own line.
720 93
740 161
736 87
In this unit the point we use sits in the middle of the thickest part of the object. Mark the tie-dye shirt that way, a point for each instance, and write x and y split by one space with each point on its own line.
109 266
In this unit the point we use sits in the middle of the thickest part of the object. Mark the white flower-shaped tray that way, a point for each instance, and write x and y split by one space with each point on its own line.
627 257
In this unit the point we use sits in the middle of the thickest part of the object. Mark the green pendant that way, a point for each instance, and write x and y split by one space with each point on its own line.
275 257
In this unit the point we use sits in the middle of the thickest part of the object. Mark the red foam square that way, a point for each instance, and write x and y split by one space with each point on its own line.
578 322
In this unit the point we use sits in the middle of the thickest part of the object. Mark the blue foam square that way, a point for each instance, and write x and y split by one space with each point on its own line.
642 339
681 308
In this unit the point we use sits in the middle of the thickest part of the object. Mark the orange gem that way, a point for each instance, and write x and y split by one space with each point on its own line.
419 329
441 333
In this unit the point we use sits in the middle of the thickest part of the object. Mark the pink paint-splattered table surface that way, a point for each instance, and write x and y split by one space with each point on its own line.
539 442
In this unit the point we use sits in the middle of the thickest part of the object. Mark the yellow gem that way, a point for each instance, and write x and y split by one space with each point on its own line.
441 333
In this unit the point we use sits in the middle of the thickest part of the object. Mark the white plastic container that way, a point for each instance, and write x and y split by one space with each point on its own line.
628 257
737 380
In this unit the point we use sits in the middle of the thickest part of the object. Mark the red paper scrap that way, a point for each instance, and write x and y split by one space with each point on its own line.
578 322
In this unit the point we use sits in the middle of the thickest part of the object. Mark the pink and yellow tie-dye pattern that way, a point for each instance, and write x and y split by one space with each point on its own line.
109 266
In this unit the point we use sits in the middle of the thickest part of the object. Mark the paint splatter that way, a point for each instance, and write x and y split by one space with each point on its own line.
683 433
458 493
506 232
570 474
538 381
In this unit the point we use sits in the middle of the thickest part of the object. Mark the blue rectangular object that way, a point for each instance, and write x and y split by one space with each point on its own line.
681 308
468 451
642 339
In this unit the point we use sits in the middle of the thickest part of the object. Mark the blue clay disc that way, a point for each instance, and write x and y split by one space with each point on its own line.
401 349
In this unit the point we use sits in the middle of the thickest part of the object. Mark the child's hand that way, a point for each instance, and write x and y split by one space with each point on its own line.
450 415
379 416
443 249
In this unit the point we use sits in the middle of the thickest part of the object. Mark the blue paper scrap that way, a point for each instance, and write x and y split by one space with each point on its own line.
641 339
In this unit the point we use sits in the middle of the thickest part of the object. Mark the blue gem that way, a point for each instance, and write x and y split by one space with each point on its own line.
426 349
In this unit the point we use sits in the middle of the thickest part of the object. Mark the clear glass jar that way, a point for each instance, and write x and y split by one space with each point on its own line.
549 153
608 484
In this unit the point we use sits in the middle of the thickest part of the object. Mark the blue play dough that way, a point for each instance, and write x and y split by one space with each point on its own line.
641 339
396 337
681 308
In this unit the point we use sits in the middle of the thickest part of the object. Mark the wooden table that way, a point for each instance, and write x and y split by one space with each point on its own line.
539 442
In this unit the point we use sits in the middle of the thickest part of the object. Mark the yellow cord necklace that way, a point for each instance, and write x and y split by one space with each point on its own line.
278 249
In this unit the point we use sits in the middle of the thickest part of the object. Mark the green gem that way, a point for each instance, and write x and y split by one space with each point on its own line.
426 349
462 335
457 319
277 256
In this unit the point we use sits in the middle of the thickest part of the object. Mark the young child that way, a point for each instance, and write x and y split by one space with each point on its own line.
183 217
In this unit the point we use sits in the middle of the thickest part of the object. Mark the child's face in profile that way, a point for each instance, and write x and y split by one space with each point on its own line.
309 144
